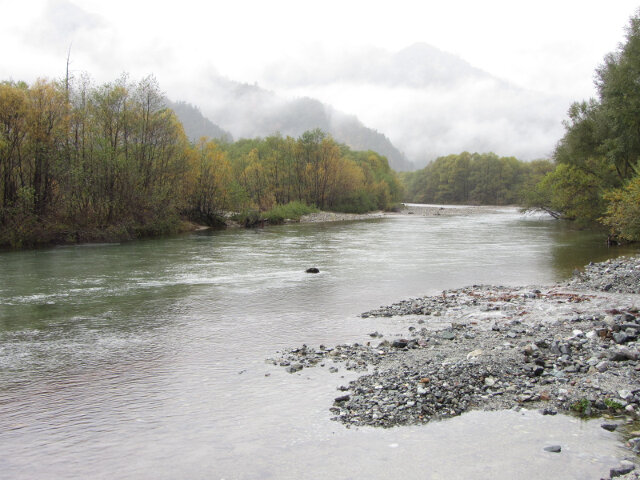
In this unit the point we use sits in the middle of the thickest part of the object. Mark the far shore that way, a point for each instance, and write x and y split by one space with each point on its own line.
407 209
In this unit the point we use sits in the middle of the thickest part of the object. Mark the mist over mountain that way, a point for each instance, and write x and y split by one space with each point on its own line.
419 65
249 111
428 102
197 125
412 106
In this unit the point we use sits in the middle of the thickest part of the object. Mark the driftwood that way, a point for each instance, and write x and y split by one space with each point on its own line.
553 213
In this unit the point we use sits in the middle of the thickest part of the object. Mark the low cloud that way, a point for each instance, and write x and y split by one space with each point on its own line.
429 103
61 22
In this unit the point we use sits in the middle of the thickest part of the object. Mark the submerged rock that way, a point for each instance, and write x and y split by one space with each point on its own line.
553 449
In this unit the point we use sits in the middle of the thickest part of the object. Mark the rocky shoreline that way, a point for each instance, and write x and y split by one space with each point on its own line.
565 348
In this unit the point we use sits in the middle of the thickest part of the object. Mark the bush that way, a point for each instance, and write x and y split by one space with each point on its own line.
291 211
582 407
623 211
360 202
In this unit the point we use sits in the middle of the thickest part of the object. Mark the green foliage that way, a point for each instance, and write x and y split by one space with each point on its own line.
89 162
358 202
484 179
582 407
313 170
623 211
112 162
573 192
613 404
291 211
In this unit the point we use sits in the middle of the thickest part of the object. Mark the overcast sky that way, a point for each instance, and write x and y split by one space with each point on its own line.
550 46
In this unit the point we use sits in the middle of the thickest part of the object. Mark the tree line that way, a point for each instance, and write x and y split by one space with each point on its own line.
474 178
83 162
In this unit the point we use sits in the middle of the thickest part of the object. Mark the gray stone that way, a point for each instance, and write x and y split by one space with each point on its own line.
625 394
401 343
447 335
296 367
623 354
553 449
609 426
624 468
620 337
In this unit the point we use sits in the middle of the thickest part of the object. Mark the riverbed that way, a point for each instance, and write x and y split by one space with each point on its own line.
146 359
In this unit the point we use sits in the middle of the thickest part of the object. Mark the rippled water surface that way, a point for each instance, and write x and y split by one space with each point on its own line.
146 359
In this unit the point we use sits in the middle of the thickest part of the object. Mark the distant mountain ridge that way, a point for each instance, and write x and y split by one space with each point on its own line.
248 111
197 125
427 101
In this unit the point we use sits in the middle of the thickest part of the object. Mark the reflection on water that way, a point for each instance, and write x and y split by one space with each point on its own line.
146 359
573 249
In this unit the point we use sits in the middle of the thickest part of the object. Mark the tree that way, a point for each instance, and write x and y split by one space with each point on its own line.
600 151
623 211
13 132
210 194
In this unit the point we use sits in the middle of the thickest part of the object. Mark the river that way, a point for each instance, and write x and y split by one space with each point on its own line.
147 359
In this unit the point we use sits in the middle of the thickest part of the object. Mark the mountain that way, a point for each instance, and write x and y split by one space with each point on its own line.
195 124
249 111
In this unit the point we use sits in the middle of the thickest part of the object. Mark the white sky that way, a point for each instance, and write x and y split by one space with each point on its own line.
549 46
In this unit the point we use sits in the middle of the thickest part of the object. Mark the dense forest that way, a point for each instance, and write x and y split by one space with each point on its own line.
81 162
479 179
597 171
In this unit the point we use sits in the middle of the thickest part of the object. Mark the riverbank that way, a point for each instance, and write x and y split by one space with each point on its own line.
564 348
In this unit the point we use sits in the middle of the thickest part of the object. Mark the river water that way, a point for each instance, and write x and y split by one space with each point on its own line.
147 359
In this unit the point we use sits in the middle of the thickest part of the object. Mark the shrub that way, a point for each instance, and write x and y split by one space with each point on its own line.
623 211
291 210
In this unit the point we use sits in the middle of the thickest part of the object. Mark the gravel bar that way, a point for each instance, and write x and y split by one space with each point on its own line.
570 348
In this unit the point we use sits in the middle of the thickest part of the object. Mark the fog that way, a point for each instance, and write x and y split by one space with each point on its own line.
431 103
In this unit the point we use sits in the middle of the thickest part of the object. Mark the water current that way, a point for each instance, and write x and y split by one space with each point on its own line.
147 359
